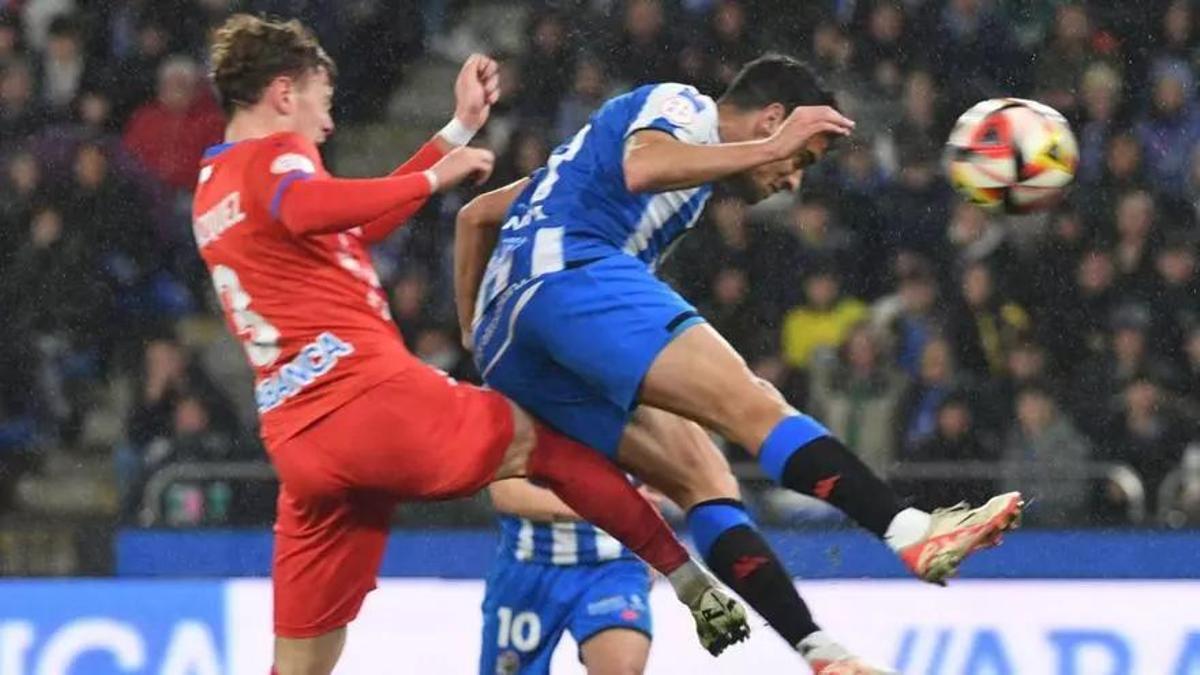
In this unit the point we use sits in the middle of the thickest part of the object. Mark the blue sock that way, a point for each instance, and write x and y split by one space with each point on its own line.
709 520
802 455
737 552
789 436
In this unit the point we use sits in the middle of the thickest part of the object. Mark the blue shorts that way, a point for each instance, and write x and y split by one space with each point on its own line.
527 607
573 347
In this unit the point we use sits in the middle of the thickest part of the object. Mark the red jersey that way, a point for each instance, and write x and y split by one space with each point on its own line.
306 305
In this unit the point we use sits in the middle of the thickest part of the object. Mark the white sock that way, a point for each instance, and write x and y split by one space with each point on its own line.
689 581
820 647
907 528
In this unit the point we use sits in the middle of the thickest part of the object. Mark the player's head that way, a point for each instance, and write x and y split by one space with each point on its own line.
758 100
275 70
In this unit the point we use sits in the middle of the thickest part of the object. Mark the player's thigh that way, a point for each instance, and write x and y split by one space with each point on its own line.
515 362
614 603
325 561
677 457
615 651
419 435
523 619
701 377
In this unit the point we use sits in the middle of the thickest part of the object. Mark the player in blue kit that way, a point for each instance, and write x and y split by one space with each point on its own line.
555 573
570 321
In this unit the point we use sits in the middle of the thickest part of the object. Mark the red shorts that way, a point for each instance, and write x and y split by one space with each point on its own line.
419 436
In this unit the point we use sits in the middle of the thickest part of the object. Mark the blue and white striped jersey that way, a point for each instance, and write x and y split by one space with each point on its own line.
577 207
561 543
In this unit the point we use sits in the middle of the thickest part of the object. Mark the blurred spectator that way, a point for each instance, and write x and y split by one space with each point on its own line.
833 54
729 43
917 207
818 239
1101 379
410 305
11 40
978 238
1191 371
63 71
985 325
1061 62
1044 453
1123 173
168 135
884 50
1179 40
21 113
588 91
916 419
1147 433
974 53
1026 365
21 190
1170 129
1076 327
1134 251
132 85
180 415
855 391
645 47
956 438
731 310
909 316
547 67
111 212
823 320
55 306
920 131
1101 94
1054 262
527 151
1176 295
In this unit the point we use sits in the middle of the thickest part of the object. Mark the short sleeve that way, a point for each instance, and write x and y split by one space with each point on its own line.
679 110
284 160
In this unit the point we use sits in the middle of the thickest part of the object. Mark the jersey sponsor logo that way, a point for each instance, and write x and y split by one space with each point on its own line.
314 360
206 172
289 162
212 223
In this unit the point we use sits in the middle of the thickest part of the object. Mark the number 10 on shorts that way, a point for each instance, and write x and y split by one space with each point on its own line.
522 631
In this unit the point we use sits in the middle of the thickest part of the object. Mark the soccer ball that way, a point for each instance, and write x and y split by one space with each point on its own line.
1011 155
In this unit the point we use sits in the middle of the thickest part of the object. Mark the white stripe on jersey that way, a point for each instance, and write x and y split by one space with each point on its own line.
547 251
607 547
526 296
564 549
525 541
659 210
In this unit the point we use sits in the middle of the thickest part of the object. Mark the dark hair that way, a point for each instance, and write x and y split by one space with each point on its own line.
776 78
248 52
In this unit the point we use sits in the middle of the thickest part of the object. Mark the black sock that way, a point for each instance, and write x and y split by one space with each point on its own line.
741 558
825 469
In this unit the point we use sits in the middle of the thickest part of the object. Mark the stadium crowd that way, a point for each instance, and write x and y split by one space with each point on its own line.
919 328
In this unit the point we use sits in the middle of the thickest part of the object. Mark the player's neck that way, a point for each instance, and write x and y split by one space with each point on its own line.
734 125
250 124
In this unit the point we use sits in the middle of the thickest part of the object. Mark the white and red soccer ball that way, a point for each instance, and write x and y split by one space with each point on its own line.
1011 155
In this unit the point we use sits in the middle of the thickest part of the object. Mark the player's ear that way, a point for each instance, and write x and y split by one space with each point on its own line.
769 119
281 94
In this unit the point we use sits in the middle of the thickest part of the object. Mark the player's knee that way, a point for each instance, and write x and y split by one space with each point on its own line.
749 412
618 666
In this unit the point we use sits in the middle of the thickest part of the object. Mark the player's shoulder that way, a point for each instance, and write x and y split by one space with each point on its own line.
286 152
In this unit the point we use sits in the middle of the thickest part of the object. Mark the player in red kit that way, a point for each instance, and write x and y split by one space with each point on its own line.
353 423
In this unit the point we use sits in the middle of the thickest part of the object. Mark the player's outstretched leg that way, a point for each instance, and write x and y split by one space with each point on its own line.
699 376
600 493
677 457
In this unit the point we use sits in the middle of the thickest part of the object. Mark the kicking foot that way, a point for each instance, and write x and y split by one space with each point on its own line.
958 531
720 620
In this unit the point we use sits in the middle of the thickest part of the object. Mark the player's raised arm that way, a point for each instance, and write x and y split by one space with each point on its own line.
475 231
657 161
313 204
